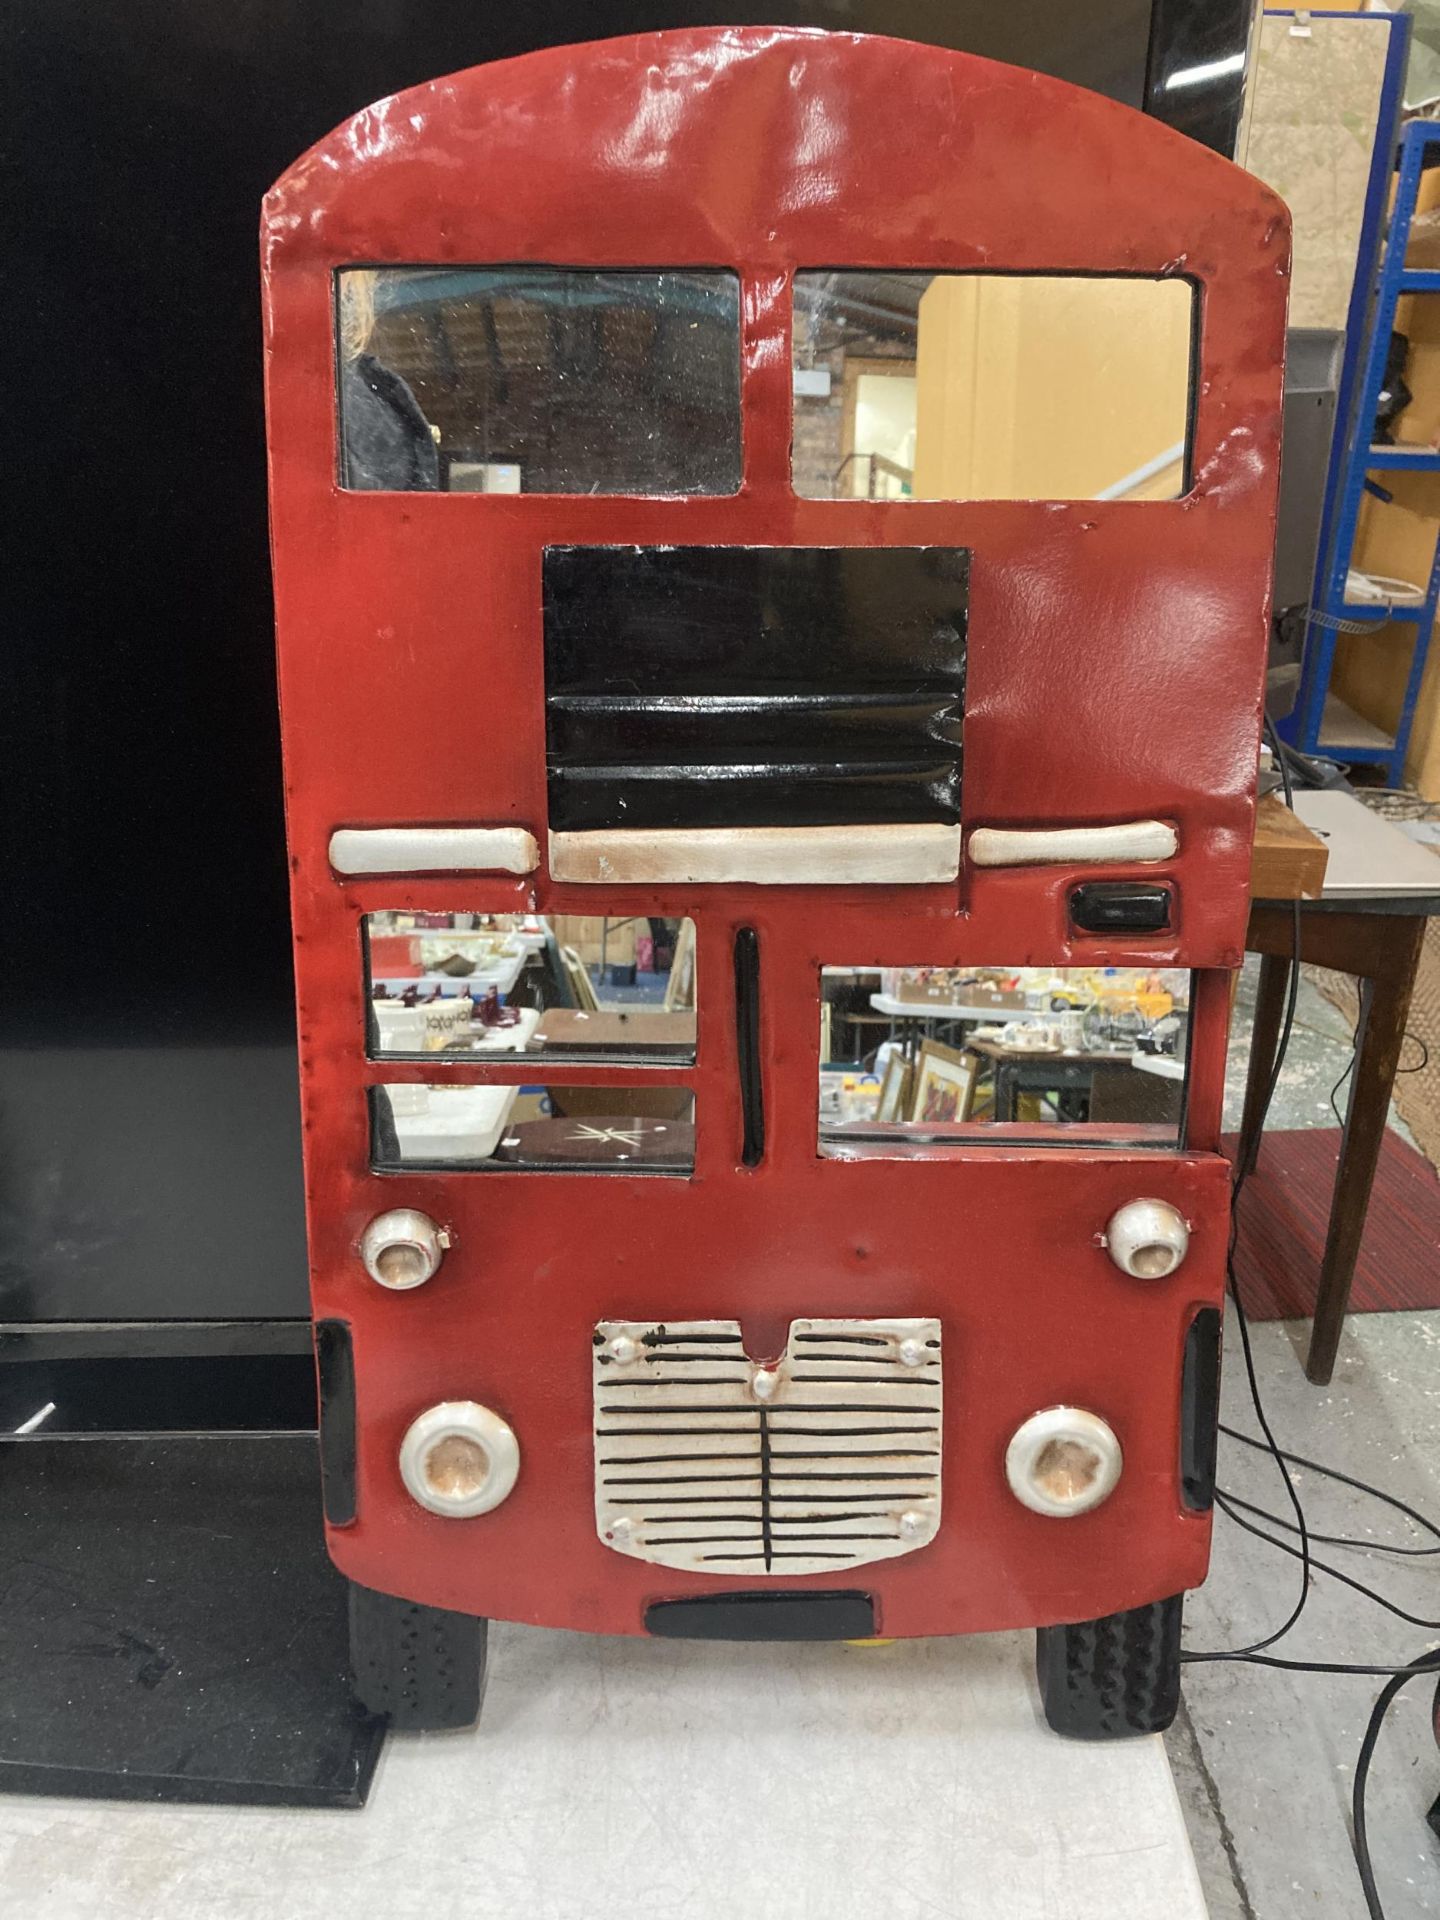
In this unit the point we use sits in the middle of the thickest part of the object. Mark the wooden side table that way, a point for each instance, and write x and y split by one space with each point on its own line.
1369 921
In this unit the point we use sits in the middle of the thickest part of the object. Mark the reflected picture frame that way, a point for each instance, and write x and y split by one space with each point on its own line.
943 1085
894 1090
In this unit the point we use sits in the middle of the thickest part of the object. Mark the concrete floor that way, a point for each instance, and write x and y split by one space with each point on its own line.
631 1780
1264 1760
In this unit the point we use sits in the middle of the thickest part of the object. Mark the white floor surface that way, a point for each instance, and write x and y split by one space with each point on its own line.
670 1781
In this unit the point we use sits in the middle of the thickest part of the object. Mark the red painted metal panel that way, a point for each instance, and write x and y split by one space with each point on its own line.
1116 657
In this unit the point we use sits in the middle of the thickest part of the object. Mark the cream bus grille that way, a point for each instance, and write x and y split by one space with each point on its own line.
829 1458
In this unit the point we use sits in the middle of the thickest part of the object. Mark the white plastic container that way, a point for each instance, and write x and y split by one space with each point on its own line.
455 1123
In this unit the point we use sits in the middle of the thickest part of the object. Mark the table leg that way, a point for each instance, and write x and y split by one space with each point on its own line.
1269 1015
1384 1006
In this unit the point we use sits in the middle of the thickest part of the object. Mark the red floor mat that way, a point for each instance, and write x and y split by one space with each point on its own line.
1284 1216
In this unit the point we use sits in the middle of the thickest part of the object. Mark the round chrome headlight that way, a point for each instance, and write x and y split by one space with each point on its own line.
402 1249
459 1459
1063 1462
1147 1239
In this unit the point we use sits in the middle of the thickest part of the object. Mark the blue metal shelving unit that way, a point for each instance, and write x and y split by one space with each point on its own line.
1322 722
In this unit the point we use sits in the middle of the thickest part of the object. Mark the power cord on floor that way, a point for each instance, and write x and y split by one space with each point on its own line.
1399 1677
1228 1505
1273 1446
1427 1663
1329 1539
1243 1169
1348 1480
1256 1653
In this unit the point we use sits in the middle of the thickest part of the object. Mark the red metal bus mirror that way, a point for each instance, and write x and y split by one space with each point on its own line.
772 570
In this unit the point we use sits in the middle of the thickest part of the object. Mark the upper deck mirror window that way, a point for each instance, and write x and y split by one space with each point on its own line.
991 386
535 379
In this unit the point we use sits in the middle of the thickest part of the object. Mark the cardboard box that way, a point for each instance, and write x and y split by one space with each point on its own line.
393 955
1005 1002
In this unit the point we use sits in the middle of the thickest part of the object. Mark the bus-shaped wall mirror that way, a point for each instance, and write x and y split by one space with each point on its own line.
771 662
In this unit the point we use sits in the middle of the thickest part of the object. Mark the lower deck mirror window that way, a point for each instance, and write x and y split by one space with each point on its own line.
532 1129
922 1058
591 988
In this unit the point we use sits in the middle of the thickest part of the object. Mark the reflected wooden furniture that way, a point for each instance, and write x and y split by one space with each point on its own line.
662 1142
1018 1070
680 987
911 1020
577 978
641 1029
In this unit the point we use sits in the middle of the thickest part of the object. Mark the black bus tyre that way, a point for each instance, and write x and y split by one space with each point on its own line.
1112 1678
422 1667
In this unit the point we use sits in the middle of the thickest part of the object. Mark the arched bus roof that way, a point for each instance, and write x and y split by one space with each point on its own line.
768 146
766 151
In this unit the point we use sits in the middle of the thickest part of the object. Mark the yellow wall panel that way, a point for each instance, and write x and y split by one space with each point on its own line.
1049 387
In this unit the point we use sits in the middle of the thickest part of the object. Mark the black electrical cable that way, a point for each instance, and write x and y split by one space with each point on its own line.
1243 1169
1331 1539
1349 1069
1396 1676
1343 1667
1281 1457
1246 1167
1226 1504
1425 1664
1345 1479
1419 1067
1301 1527
1255 1654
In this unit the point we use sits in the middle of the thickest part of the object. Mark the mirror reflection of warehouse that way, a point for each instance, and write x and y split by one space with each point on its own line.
558 374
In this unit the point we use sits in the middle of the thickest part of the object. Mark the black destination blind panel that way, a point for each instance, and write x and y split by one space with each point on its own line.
754 686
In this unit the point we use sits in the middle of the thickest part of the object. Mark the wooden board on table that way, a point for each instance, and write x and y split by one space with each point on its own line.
1369 857
1288 860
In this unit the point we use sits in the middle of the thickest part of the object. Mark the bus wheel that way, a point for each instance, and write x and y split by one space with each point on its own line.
1111 1678
422 1667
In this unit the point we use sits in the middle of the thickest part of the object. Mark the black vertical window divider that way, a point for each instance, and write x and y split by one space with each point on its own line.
747 1045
